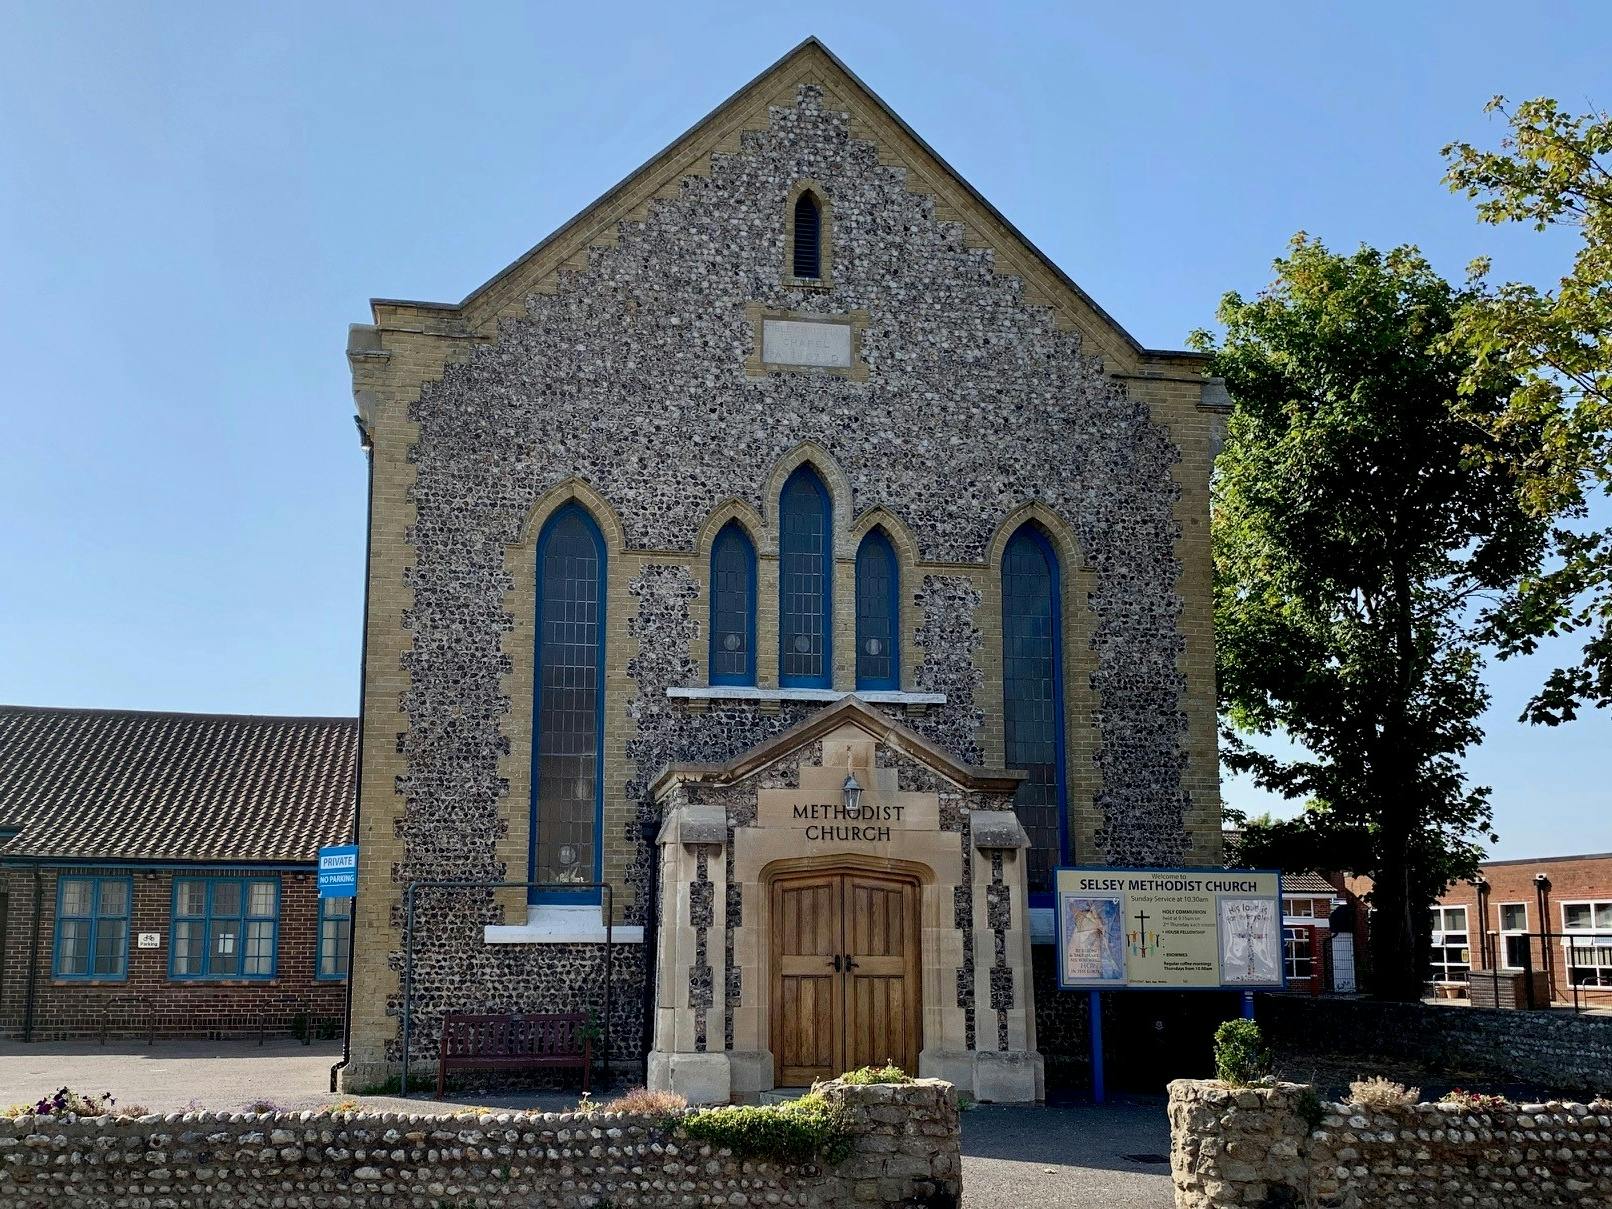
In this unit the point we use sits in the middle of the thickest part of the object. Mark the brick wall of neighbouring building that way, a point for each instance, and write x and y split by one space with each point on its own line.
1571 879
148 1001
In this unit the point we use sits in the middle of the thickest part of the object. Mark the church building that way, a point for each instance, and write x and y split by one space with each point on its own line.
774 575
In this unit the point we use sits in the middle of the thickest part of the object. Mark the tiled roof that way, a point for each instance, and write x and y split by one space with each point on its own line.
94 783
1306 883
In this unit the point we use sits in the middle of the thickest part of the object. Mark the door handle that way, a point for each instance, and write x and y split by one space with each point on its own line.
850 963
836 963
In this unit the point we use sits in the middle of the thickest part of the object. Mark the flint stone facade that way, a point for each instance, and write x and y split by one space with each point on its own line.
619 366
905 1150
1270 1146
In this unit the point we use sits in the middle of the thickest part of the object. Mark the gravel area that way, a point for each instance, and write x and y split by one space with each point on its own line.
1078 1157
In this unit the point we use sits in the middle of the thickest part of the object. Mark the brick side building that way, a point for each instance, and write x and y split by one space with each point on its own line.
787 563
158 872
1499 921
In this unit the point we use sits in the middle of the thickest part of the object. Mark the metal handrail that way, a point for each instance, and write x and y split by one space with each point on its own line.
457 884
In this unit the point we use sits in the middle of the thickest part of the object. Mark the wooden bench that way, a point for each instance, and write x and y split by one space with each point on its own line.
504 1042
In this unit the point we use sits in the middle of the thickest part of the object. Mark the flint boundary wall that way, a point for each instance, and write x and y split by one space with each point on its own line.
1557 1049
905 1153
1257 1146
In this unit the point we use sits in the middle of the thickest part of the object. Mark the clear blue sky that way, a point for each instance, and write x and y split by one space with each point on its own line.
196 199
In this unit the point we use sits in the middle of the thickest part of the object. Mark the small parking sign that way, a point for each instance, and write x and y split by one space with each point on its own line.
338 871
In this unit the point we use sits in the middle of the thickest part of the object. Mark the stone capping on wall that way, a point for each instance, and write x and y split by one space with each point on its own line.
1254 1146
905 1151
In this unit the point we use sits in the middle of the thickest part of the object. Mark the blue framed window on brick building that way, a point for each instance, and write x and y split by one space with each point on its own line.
92 927
1032 692
225 927
733 607
878 614
805 582
568 749
335 937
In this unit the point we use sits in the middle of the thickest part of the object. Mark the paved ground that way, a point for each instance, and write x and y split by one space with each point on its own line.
1067 1158
1052 1158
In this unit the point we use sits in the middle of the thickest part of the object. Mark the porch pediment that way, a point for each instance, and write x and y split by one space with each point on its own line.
849 712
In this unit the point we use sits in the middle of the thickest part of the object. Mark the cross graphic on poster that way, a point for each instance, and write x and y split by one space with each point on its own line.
1249 936
1141 933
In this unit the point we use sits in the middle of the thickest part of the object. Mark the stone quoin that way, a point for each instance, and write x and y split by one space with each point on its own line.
785 557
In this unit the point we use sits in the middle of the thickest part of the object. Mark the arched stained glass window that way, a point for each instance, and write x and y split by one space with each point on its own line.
805 590
733 607
567 747
878 614
808 236
1032 690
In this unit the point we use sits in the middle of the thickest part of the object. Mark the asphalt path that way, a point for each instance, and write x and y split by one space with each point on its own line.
1077 1157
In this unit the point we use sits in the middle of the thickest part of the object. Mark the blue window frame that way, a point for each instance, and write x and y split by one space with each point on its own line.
1032 690
733 607
335 938
92 927
805 584
225 927
568 714
878 613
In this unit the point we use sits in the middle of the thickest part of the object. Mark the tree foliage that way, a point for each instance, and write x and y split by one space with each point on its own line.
1355 535
1551 171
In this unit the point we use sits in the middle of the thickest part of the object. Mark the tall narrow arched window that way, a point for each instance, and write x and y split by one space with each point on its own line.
805 586
808 255
878 614
568 713
1032 691
733 607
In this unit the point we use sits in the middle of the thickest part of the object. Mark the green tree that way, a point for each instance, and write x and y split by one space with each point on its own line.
1551 171
1355 535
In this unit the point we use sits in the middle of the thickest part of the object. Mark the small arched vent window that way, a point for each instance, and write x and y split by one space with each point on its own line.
808 262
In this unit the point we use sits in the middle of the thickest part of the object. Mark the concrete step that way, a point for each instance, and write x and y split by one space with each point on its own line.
782 1095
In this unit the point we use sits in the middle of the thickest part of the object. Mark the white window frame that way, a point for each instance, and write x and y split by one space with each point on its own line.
1292 937
1504 955
1444 966
1600 939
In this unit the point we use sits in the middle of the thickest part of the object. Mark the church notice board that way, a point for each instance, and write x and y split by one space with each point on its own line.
1169 929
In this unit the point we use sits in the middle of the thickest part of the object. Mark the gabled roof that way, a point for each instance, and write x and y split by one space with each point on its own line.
853 710
103 784
872 120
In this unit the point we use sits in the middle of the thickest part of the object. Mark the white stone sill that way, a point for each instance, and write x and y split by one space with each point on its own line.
559 924
745 692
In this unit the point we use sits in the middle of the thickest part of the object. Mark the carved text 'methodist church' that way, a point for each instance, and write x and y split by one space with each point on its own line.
787 561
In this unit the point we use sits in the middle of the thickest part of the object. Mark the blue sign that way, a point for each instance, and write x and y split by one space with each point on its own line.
338 871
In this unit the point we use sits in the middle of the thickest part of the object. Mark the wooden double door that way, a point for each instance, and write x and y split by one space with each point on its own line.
845 974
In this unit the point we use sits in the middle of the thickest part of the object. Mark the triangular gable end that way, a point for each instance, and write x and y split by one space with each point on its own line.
872 120
850 710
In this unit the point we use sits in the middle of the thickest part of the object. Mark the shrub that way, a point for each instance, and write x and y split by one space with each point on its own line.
65 1102
648 1103
799 1131
1474 1101
1378 1092
889 1073
1240 1055
261 1106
